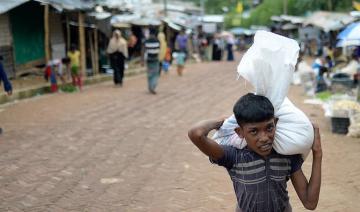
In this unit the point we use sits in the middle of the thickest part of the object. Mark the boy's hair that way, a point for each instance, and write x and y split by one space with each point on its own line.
72 47
66 60
253 108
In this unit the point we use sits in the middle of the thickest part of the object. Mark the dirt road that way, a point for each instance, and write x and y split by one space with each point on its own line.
122 149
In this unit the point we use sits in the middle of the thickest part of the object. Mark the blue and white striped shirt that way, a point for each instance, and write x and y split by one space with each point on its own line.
259 183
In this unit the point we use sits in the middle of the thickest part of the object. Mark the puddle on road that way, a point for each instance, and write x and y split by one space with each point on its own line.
111 180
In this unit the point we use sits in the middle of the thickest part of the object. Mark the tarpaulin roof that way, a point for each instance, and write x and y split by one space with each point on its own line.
69 4
328 21
289 18
350 36
289 26
293 19
213 18
7 5
242 31
172 24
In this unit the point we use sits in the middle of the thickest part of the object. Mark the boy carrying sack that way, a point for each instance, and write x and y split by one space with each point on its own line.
262 148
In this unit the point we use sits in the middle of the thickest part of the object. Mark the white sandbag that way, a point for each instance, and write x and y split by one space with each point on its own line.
294 132
269 65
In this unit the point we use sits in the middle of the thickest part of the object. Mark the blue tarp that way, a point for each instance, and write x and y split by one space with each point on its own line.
242 31
350 36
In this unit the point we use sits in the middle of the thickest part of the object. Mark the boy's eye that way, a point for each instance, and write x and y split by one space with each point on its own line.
270 128
253 132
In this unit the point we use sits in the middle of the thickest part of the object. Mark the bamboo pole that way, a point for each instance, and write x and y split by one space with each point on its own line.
68 38
92 54
96 45
82 44
168 36
47 36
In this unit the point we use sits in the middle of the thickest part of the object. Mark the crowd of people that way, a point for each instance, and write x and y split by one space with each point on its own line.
149 46
328 63
158 54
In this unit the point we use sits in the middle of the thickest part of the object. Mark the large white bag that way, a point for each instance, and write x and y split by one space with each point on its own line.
269 66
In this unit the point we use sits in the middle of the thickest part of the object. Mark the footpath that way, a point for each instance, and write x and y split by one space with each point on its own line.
34 85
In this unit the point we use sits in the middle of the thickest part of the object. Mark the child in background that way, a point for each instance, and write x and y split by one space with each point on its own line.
66 63
74 56
320 83
167 60
50 75
180 57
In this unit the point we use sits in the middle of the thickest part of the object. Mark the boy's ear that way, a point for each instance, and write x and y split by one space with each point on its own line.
239 131
276 121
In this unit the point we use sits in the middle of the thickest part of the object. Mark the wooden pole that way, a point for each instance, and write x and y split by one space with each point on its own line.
330 5
68 38
92 54
82 44
168 34
47 36
96 45
285 7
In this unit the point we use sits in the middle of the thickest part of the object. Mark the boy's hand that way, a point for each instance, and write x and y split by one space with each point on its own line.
221 121
316 147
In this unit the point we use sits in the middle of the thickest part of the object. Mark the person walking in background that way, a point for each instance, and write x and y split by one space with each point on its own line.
4 79
181 42
150 54
217 48
167 60
230 41
131 44
74 56
163 48
6 83
180 61
307 45
118 52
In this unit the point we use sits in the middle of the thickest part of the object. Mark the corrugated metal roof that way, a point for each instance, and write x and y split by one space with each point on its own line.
7 5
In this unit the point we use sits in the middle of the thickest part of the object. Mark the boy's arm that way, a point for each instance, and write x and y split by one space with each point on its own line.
198 135
309 192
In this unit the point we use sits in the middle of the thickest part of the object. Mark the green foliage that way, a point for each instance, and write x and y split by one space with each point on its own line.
68 88
329 5
323 96
262 13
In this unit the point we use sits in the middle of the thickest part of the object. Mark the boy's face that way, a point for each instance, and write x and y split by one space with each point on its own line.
259 136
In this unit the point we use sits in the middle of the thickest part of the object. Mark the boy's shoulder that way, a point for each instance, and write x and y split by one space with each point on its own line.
246 155
233 155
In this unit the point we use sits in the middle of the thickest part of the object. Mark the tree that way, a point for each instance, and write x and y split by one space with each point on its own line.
261 14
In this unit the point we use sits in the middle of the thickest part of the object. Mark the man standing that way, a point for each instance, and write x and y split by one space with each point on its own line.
150 54
5 81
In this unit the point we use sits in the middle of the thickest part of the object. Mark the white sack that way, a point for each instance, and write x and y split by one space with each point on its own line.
269 66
